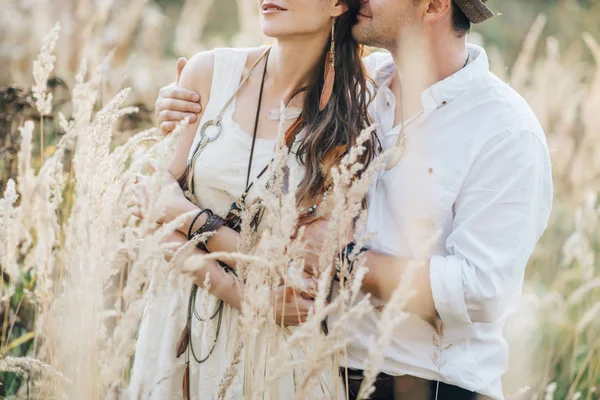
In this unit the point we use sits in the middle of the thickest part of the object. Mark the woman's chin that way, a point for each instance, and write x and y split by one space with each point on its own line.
272 30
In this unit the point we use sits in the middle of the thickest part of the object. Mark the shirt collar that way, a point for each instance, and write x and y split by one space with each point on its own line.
446 91
384 73
443 92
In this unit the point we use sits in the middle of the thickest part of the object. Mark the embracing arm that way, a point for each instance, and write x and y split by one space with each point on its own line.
175 103
500 214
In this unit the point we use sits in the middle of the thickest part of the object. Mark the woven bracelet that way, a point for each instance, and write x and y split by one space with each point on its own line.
205 211
213 222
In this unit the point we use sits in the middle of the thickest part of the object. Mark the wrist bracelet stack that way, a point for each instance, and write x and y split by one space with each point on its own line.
212 223
189 234
347 257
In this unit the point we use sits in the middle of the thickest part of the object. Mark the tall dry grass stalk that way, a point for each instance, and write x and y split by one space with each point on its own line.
42 68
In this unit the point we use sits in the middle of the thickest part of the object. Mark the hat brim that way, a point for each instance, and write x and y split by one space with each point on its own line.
475 10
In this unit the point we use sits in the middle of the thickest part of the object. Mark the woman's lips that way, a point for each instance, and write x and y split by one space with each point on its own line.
269 8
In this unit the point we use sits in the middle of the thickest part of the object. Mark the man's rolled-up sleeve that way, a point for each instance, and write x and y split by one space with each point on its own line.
500 214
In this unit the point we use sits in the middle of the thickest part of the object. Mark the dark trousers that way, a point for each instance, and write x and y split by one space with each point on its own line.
406 388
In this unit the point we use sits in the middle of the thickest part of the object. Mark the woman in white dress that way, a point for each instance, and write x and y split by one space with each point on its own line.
313 66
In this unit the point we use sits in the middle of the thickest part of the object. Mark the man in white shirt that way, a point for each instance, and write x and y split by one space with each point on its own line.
475 171
470 195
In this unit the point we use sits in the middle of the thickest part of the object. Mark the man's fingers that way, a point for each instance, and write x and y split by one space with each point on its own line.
180 65
175 92
167 127
176 116
167 104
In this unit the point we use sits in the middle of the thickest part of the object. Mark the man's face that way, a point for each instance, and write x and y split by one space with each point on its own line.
381 23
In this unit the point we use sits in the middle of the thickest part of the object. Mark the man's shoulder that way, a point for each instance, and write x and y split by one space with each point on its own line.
510 108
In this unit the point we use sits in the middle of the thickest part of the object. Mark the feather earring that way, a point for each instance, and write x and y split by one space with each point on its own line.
186 382
329 72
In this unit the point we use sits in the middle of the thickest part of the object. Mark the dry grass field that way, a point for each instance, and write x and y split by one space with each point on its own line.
76 103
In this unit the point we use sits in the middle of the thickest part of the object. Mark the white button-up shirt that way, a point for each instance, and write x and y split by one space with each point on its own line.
475 185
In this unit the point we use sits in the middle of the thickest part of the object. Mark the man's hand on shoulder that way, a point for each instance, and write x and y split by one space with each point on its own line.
175 103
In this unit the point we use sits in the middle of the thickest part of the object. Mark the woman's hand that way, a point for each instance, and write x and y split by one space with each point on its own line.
176 205
291 308
314 237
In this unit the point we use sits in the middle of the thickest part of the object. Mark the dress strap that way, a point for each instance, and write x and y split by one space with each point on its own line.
228 68
229 65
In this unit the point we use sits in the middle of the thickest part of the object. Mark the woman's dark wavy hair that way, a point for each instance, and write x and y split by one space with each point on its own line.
331 133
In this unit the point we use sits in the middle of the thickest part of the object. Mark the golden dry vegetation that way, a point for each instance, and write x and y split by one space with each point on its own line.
77 268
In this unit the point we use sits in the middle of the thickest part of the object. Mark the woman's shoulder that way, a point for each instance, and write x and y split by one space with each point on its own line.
198 71
249 54
200 67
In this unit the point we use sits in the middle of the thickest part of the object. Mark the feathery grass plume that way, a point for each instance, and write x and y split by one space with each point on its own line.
47 200
27 366
42 69
26 175
10 215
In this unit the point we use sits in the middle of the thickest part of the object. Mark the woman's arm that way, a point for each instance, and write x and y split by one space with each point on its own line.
222 286
289 307
197 76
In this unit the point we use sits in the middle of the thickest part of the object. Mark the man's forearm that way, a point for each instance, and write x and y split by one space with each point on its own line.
385 275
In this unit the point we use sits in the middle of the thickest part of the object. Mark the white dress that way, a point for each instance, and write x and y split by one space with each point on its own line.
219 179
